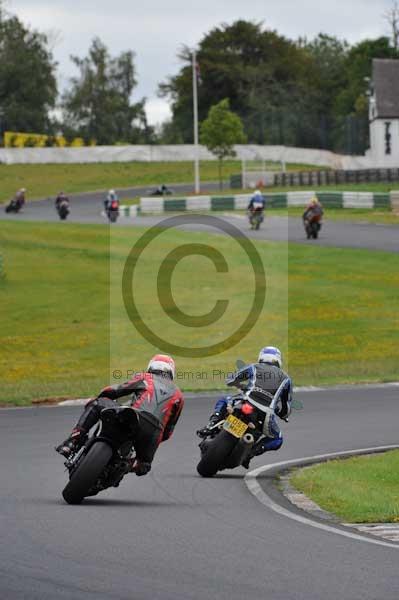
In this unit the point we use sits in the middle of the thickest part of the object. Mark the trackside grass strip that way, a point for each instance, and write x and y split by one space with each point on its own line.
362 489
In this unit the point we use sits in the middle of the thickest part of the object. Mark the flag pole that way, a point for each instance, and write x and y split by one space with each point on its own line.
195 111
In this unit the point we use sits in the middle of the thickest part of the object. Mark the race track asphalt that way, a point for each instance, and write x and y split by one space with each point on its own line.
87 208
175 536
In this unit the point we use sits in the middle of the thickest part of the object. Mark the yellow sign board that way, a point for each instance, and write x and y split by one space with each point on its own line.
14 139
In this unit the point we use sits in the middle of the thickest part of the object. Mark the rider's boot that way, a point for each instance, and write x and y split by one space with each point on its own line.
213 419
264 444
73 443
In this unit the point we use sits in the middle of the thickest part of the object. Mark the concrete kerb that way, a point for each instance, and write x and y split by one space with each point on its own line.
303 510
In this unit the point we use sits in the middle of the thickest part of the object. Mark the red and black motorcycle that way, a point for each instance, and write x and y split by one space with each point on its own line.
107 456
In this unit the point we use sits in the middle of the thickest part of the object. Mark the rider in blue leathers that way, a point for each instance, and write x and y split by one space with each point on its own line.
256 209
257 201
264 378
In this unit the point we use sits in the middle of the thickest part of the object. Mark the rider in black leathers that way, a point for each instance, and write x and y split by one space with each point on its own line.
156 399
62 197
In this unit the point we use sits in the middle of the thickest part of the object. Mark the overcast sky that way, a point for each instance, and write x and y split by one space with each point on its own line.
156 29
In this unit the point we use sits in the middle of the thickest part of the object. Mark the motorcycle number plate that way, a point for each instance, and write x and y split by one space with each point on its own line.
257 205
235 426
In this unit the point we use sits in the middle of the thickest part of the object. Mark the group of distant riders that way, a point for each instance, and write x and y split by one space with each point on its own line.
312 216
62 204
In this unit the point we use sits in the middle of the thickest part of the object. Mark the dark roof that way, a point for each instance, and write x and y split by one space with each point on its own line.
386 87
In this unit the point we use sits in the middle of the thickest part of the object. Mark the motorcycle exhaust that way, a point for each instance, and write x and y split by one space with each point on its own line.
248 438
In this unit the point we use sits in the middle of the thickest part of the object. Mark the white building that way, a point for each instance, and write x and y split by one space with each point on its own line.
384 113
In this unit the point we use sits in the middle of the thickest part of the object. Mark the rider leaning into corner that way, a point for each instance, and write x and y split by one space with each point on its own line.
156 399
20 197
266 376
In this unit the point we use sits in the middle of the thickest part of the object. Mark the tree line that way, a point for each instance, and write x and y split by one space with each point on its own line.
309 93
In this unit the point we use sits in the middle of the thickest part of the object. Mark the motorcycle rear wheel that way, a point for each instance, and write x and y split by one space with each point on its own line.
87 473
216 454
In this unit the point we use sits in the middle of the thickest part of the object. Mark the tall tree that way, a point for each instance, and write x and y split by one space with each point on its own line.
392 18
98 103
304 93
253 67
28 86
220 131
327 56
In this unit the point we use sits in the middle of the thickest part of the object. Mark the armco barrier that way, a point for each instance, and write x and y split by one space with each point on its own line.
126 211
282 200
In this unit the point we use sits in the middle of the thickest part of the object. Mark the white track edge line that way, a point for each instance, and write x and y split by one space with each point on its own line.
256 490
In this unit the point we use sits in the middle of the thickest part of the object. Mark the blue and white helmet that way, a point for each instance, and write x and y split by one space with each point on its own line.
271 356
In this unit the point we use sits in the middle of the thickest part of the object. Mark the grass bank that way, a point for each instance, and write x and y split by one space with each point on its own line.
64 329
362 489
74 178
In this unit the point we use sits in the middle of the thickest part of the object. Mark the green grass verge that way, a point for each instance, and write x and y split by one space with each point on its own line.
341 303
362 489
47 180
327 308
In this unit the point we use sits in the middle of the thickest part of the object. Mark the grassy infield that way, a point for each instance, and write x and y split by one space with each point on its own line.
55 309
101 176
363 489
55 333
88 177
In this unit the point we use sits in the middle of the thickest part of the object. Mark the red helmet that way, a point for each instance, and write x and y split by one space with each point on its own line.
162 362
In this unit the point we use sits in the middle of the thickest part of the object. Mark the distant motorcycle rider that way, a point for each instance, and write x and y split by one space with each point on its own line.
61 198
257 202
266 376
20 198
256 208
111 197
157 401
313 211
